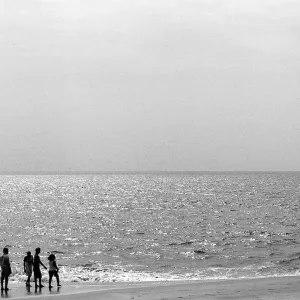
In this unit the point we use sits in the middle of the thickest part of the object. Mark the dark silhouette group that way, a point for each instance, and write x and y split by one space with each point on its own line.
31 265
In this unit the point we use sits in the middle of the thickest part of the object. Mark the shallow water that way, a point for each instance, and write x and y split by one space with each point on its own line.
131 227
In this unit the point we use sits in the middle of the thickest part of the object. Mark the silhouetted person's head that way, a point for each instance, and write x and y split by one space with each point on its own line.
51 257
38 250
5 250
28 253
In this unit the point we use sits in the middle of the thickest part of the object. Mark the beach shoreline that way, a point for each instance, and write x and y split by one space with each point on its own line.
283 288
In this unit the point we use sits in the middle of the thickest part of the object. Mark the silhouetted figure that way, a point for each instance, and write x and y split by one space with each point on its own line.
53 270
5 269
36 268
28 265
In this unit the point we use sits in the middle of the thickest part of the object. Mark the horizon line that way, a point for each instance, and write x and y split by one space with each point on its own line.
65 172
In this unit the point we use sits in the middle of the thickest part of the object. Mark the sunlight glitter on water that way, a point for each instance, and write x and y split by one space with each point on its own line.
189 225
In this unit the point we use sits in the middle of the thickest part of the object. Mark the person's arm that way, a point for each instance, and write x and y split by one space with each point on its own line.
43 265
24 265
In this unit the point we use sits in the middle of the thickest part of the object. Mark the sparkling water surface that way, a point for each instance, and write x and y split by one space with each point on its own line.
159 226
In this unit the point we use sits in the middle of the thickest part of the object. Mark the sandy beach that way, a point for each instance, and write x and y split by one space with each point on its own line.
283 288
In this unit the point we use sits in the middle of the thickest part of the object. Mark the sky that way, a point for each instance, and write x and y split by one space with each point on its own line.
149 85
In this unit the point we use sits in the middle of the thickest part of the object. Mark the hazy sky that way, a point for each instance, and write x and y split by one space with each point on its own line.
107 85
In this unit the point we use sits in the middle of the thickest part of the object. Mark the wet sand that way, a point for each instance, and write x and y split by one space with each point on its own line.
283 288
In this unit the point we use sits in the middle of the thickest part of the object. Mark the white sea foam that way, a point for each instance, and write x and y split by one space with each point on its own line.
83 274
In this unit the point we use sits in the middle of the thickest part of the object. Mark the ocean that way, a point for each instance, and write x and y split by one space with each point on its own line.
154 226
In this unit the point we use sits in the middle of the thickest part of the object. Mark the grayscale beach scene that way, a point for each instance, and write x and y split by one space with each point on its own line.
149 150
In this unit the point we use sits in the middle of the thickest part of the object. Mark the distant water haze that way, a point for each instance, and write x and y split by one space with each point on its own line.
149 85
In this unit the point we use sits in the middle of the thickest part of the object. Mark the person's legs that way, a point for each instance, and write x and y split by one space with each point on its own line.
6 282
40 281
2 279
37 276
57 279
50 278
28 280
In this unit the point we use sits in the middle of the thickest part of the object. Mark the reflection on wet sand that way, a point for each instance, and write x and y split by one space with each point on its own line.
29 291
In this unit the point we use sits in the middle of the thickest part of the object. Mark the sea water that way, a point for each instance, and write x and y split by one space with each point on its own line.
154 226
